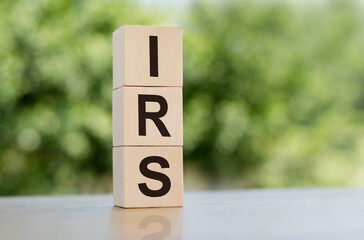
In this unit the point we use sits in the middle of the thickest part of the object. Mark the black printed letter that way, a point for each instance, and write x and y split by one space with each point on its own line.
154 116
153 56
143 167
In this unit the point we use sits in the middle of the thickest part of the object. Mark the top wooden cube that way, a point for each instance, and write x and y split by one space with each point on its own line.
147 56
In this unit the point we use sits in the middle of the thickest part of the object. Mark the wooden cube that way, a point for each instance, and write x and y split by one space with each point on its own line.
147 56
147 116
148 176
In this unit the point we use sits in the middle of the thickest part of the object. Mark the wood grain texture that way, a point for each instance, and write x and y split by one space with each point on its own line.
127 177
126 118
131 56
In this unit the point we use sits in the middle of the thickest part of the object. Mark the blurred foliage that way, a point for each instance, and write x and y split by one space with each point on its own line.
273 92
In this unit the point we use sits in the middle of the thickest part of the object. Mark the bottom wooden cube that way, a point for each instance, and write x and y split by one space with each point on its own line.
148 177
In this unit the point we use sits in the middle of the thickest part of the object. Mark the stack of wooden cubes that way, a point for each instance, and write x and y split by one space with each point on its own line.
147 117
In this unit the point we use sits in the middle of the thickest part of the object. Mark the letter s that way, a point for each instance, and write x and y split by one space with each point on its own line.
143 167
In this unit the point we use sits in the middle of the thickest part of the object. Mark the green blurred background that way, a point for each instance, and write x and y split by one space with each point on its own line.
273 92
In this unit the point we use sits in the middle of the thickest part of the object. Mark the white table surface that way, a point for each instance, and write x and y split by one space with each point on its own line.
328 213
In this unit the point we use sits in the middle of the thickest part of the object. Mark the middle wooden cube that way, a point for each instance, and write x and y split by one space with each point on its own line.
147 116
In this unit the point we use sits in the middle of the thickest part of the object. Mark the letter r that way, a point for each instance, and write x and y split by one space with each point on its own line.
154 116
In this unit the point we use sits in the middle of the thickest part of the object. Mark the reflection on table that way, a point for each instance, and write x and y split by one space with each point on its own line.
146 223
